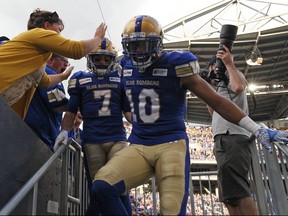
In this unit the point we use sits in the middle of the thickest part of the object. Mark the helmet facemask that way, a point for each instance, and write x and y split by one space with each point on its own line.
102 60
100 64
143 51
142 41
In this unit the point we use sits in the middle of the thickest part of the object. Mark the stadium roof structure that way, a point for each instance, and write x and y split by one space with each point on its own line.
262 34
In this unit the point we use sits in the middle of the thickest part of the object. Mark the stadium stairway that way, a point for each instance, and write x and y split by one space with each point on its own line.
22 154
23 158
34 181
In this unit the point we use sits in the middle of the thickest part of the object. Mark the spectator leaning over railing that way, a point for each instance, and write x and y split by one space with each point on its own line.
23 58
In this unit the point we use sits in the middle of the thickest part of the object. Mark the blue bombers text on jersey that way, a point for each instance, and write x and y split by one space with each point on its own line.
157 99
102 102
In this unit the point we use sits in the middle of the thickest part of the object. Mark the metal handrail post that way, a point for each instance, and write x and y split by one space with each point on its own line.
191 193
258 182
18 197
35 198
276 183
64 184
154 195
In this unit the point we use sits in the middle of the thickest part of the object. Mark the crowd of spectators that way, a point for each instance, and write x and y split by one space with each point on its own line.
142 204
204 204
207 204
200 142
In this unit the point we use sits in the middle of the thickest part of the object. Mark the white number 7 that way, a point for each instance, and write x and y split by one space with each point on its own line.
104 111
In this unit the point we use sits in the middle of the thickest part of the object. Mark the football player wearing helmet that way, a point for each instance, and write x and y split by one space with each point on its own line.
99 94
156 83
102 60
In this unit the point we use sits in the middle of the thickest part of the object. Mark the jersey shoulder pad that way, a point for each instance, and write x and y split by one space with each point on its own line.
117 68
124 61
180 57
78 74
115 73
185 63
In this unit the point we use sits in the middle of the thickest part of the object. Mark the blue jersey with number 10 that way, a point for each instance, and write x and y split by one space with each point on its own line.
157 101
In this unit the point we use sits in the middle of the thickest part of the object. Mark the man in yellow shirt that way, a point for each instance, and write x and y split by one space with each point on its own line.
23 58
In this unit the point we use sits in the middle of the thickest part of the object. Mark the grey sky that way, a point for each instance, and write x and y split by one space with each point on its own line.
81 18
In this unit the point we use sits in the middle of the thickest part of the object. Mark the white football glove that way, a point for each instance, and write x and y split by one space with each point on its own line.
62 138
265 136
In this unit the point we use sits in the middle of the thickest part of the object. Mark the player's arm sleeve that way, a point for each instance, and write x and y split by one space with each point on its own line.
186 64
57 98
73 103
75 94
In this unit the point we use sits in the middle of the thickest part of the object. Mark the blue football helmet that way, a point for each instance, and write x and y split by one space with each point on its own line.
142 41
102 59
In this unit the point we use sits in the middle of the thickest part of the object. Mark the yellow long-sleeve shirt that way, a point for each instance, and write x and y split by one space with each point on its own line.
28 53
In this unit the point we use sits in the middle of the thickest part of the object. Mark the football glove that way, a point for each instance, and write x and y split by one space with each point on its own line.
265 136
62 138
281 136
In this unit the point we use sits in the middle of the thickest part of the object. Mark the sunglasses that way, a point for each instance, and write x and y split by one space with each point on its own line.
52 18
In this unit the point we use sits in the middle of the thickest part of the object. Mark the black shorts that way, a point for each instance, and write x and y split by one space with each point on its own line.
233 156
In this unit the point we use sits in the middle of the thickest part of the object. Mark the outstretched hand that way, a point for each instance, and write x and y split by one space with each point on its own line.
67 72
265 136
281 136
100 31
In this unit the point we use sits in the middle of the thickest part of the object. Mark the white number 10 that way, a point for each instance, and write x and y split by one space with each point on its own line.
144 96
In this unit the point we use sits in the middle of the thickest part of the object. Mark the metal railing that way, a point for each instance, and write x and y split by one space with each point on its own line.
74 192
268 177
74 186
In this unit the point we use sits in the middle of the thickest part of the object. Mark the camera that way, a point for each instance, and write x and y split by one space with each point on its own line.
204 73
209 76
227 37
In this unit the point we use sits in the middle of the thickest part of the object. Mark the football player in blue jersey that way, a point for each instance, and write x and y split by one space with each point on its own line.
156 83
99 94
44 115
